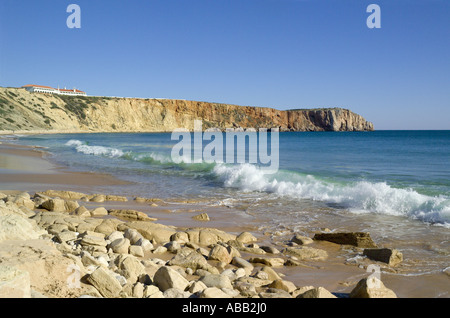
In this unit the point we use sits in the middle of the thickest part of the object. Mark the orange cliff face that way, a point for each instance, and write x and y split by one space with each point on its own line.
25 111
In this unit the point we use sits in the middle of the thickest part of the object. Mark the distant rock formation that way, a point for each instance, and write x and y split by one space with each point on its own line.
22 111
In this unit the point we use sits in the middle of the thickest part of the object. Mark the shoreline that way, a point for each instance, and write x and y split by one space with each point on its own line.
333 273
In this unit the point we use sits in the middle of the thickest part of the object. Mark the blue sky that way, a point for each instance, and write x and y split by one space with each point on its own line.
273 53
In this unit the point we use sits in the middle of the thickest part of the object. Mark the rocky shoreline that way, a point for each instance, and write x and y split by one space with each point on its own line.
53 246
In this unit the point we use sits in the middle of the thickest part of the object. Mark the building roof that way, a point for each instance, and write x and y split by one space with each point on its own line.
32 85
60 89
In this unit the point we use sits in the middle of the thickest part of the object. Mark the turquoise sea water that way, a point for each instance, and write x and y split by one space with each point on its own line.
393 184
399 173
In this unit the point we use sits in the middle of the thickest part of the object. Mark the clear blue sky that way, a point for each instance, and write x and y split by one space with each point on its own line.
272 53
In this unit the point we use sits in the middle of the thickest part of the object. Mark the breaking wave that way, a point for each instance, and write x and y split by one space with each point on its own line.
356 196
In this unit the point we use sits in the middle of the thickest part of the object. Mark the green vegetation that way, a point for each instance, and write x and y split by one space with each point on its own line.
10 120
54 106
76 105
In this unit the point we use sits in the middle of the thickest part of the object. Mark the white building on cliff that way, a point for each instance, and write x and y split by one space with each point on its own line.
51 90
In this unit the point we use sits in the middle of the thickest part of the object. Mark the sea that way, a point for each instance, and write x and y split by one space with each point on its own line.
393 184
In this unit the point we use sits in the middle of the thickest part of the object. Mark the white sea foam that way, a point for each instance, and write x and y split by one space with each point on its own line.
357 197
84 148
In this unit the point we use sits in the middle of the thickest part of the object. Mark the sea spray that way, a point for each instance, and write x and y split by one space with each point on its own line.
94 150
357 197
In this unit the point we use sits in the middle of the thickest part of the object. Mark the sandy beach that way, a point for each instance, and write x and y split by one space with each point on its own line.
28 169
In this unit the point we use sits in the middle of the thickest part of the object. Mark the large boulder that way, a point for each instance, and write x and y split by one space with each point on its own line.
208 236
130 215
149 230
105 282
318 292
371 287
15 227
386 255
220 253
166 277
14 283
306 253
130 267
358 239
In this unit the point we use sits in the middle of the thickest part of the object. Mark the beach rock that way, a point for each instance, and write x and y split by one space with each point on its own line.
201 217
273 262
115 236
213 292
54 205
119 198
189 258
306 253
172 246
301 290
386 255
150 290
138 290
66 236
301 240
136 251
160 250
14 283
176 293
99 198
242 263
371 287
105 283
245 289
71 206
21 200
272 275
149 230
270 250
133 235
62 194
120 245
358 239
130 267
216 280
220 253
15 227
166 277
318 292
252 250
208 236
283 285
197 286
246 237
145 244
57 228
127 214
82 212
90 238
108 226
88 260
257 282
101 211
181 237
274 293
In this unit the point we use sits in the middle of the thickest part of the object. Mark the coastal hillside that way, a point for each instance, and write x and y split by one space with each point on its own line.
22 111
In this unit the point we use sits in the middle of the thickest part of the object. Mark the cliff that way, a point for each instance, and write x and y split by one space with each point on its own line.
22 111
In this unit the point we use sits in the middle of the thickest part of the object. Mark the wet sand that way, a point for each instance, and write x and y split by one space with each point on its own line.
28 169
